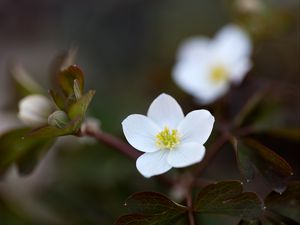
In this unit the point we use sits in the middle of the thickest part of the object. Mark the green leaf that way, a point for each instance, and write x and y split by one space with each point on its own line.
52 131
151 203
16 146
79 107
66 79
286 204
150 208
244 164
274 168
275 219
27 162
227 197
58 99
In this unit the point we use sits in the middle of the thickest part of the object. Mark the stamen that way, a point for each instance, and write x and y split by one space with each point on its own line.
167 139
218 74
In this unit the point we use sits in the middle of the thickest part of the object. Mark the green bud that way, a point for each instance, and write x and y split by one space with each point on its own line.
58 118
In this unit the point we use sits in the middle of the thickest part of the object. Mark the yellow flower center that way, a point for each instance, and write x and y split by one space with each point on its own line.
218 74
167 139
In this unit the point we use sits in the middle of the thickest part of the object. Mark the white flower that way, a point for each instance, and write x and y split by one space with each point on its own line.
34 110
205 68
167 137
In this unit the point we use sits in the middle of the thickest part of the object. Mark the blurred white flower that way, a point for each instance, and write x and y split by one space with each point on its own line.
249 6
34 110
167 137
205 68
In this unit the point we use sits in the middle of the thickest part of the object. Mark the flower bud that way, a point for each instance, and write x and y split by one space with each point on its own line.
91 124
34 110
58 118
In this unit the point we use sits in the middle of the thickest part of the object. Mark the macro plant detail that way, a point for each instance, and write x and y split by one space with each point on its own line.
167 137
217 143
45 118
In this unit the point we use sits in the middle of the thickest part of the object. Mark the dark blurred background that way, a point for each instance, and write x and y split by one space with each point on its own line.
127 49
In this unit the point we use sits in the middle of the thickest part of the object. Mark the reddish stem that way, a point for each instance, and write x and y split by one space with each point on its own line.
189 203
114 142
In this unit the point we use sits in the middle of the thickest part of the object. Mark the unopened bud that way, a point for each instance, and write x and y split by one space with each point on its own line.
58 118
34 110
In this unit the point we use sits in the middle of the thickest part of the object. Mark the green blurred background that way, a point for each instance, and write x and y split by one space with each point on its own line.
127 49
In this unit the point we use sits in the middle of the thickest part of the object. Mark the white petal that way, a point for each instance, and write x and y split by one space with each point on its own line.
165 111
186 154
154 163
210 93
232 43
194 48
195 79
188 75
239 70
140 132
196 126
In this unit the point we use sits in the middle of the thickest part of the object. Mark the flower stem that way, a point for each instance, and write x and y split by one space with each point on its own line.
113 142
190 209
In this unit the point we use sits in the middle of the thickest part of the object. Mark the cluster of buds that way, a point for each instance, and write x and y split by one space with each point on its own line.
64 112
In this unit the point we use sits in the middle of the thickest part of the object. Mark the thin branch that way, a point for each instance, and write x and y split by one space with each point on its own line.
190 209
244 131
114 142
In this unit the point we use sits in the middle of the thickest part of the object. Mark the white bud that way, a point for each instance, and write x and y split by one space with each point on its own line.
34 110
58 118
91 124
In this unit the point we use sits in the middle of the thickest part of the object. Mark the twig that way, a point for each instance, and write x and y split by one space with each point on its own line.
244 131
113 142
190 209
